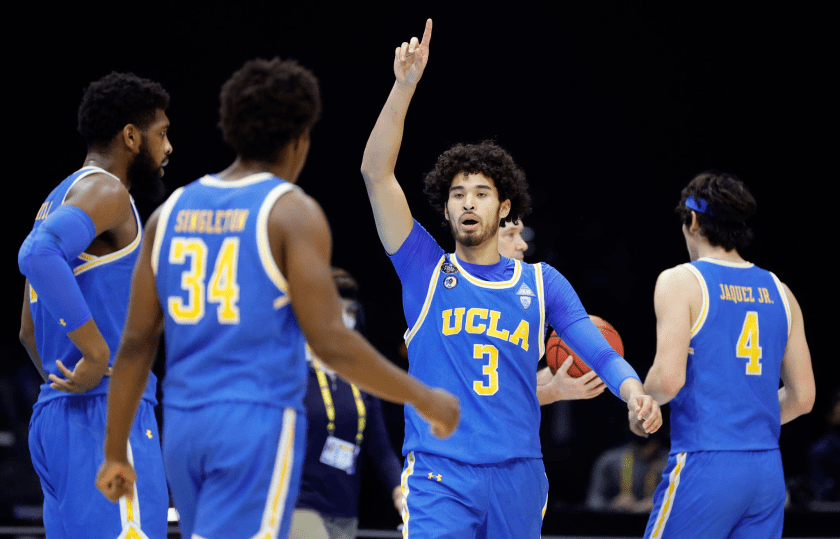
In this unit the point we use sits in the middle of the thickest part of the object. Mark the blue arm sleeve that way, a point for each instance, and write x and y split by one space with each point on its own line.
43 259
588 343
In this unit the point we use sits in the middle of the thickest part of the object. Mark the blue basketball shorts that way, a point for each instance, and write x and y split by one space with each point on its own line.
234 468
719 494
445 498
66 436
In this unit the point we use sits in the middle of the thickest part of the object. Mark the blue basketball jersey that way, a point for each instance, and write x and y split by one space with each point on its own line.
231 334
104 281
481 341
730 397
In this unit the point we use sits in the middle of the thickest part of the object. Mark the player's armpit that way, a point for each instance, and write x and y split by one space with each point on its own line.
799 391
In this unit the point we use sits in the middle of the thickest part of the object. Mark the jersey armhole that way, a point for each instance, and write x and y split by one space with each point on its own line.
538 277
409 334
704 307
264 247
782 293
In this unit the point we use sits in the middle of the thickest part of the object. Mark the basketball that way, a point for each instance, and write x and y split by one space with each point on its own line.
557 351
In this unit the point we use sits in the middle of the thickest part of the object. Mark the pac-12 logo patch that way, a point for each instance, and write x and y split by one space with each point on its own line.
448 267
450 282
525 294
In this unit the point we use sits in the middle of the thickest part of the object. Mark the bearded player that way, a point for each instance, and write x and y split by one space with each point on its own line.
78 261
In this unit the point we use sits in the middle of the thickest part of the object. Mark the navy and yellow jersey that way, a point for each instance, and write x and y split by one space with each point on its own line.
104 281
730 398
477 331
231 333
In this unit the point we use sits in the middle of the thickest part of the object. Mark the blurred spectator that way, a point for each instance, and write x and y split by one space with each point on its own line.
824 458
344 423
624 478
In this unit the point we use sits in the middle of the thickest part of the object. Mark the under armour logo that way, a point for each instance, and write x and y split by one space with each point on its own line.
149 433
438 476
62 322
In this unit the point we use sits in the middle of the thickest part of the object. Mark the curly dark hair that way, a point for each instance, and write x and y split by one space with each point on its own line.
116 100
729 205
266 104
489 159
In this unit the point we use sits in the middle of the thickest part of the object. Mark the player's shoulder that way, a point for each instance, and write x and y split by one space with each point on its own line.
552 276
98 185
296 212
683 278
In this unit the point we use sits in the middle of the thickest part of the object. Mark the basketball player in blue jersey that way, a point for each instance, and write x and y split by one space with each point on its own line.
476 326
236 266
558 386
78 260
727 333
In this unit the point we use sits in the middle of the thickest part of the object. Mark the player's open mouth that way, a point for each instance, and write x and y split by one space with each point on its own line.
469 224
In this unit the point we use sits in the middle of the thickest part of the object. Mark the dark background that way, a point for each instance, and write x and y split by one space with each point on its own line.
610 108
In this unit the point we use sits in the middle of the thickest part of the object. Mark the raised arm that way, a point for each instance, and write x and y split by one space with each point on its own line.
301 244
390 208
796 397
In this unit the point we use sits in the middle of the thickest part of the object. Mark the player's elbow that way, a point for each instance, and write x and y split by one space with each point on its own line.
331 347
671 384
664 384
804 399
26 335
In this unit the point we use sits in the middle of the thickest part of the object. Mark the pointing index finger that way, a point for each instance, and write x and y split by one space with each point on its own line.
427 33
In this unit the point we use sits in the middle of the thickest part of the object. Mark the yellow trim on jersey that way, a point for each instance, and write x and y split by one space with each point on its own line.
263 245
538 277
704 308
517 273
429 294
92 261
408 472
784 299
130 509
275 502
96 261
720 262
130 532
160 230
668 502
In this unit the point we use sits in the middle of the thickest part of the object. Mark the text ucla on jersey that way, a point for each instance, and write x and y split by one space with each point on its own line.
481 341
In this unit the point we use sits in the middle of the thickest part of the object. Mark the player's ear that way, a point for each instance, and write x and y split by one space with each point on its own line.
504 208
132 137
445 212
695 226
